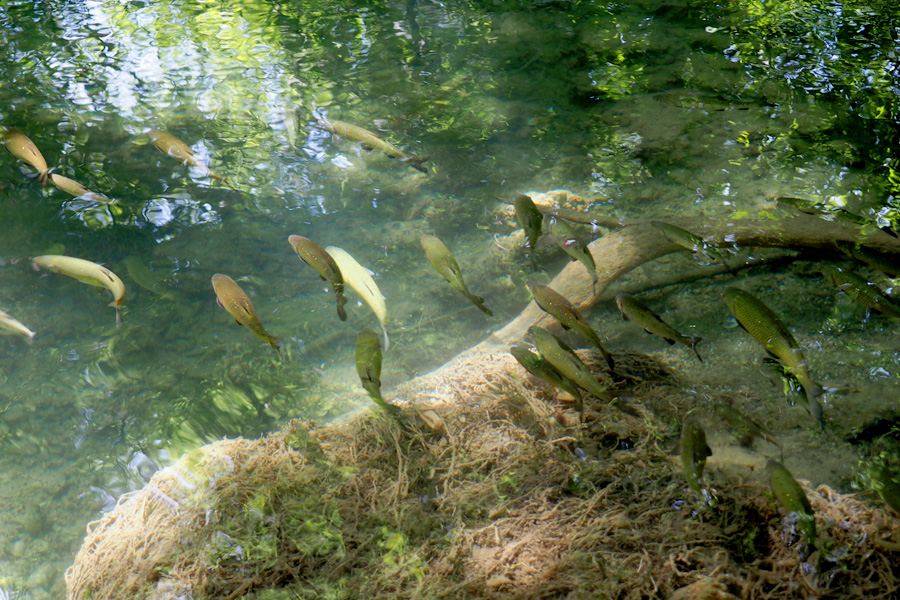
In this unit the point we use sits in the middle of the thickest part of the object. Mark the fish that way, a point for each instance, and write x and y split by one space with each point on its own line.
693 452
572 244
10 326
368 367
20 145
633 309
884 262
792 498
830 213
759 321
172 146
744 428
575 215
887 484
689 241
530 220
444 263
87 272
564 360
779 374
232 298
142 276
358 278
371 141
291 126
70 186
862 291
538 366
556 305
315 256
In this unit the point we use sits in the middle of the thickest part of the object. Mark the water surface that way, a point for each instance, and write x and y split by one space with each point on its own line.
653 110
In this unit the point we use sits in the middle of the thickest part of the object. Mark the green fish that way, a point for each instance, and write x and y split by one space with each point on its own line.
232 298
887 484
780 375
170 145
572 244
20 145
564 360
634 310
370 141
538 366
689 241
830 213
759 321
743 427
862 291
142 276
884 262
574 215
563 311
315 256
444 263
694 452
368 366
792 497
291 126
530 220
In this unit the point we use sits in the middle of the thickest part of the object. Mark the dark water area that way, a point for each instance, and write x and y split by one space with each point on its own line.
652 110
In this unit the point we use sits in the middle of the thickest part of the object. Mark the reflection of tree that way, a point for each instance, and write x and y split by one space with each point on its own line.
840 54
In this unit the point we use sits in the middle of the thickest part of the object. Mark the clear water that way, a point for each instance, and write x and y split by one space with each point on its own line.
657 108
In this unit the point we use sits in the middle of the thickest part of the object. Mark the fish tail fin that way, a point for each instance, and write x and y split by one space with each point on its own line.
115 305
387 341
609 359
694 341
815 409
224 180
342 314
815 390
478 301
416 162
276 343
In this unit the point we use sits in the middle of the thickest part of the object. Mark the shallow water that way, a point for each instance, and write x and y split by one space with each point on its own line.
655 110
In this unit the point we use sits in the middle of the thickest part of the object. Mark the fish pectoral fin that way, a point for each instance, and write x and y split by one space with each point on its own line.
670 342
367 147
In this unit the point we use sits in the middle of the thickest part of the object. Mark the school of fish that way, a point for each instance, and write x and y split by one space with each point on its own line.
551 359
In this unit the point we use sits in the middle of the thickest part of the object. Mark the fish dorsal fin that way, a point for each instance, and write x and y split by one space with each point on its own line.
369 289
245 305
108 274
